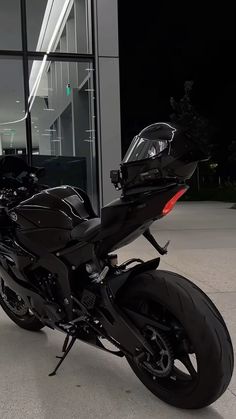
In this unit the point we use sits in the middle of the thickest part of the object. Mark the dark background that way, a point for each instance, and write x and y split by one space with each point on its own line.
163 44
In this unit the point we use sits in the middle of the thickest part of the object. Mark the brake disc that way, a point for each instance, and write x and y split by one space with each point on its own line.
162 364
13 301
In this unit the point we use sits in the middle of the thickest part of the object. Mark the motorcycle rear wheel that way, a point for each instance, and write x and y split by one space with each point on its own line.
197 328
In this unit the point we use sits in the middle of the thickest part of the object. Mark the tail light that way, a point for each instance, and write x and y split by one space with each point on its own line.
171 203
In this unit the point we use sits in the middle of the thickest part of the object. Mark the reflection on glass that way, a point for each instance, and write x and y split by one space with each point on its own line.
63 123
59 25
12 133
10 25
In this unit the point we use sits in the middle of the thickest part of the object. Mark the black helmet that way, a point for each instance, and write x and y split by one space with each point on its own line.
160 153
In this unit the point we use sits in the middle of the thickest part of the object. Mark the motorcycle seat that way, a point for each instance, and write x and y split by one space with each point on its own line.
87 230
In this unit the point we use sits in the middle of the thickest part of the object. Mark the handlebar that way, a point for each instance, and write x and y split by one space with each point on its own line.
14 190
11 197
18 180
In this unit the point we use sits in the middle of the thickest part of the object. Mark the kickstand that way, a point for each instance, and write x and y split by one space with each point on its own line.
66 349
65 344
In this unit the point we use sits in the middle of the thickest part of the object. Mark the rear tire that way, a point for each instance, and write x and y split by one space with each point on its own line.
204 328
27 321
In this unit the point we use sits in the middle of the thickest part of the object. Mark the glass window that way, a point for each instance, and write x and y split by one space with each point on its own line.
12 112
10 25
63 123
59 25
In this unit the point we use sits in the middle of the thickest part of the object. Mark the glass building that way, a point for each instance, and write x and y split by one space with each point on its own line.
59 90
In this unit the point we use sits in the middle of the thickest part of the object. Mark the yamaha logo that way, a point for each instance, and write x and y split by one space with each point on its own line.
13 216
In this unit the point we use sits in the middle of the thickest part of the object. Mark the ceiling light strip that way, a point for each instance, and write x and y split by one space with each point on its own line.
34 90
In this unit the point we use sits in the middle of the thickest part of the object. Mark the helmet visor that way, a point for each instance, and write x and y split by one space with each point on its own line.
142 148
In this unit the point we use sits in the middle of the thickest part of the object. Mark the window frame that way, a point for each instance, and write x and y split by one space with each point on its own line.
27 56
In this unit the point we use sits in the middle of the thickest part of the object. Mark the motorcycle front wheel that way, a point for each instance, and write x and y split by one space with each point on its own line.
16 310
194 357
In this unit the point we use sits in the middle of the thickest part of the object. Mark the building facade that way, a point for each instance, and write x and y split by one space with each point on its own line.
59 90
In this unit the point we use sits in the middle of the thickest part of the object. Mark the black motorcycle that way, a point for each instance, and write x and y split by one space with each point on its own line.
58 269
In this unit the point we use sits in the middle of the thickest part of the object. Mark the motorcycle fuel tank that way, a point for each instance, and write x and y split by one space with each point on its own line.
48 217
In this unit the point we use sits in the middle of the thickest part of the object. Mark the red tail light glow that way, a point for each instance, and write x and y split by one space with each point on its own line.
171 203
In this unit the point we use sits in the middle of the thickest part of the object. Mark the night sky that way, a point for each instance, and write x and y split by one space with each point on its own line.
163 44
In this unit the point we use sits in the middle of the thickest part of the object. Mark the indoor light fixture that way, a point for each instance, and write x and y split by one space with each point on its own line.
40 73
55 32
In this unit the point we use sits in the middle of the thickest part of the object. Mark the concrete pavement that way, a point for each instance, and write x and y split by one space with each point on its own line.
92 384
